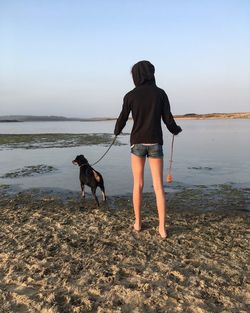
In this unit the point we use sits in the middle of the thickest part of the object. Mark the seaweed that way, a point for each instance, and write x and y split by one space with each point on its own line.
30 171
57 140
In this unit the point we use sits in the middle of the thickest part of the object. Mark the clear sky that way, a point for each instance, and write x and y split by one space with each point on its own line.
73 58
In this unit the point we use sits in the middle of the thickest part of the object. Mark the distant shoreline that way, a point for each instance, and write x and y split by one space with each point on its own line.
189 116
210 116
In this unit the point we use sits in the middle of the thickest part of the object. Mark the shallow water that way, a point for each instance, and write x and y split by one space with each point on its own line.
207 152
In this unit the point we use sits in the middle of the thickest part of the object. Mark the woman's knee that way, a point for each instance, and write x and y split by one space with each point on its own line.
138 185
158 188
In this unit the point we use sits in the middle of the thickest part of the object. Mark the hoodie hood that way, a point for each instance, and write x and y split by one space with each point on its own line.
143 72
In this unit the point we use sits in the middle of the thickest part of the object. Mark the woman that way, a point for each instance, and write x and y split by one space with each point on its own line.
148 104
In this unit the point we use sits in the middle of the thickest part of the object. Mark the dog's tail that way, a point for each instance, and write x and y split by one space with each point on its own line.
97 177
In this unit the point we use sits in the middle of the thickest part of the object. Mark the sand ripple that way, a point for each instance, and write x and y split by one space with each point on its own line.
63 256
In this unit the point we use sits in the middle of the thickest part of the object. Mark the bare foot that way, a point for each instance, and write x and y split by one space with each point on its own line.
137 227
163 233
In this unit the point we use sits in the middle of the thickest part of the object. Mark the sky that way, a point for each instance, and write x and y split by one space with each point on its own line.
73 58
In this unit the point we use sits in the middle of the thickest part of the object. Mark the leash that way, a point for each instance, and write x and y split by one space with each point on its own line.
105 152
170 177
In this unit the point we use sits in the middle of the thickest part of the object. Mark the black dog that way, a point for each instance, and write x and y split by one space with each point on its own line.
89 177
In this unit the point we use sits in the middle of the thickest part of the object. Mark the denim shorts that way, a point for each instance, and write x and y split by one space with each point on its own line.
150 151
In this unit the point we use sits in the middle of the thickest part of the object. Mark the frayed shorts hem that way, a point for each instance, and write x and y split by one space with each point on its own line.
151 151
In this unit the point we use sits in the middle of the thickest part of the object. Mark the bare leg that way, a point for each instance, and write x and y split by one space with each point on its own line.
138 174
156 167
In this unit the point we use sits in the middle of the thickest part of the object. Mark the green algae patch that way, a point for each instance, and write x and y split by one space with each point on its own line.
224 197
40 141
30 171
200 168
4 186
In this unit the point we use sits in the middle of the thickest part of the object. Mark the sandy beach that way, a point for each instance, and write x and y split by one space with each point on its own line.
59 253
213 116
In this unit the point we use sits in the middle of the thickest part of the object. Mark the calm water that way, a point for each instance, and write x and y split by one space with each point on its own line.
222 145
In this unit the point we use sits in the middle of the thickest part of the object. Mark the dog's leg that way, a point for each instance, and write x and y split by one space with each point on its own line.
103 192
93 189
83 191
104 198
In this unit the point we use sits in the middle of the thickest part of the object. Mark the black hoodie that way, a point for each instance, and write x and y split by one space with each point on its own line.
149 104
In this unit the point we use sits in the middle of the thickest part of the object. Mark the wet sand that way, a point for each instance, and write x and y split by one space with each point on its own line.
59 253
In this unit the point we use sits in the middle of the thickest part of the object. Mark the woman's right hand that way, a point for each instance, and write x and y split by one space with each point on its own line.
178 130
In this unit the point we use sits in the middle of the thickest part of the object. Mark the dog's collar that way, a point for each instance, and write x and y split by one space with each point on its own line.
83 164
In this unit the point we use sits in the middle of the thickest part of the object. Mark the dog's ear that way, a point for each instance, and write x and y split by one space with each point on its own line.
83 158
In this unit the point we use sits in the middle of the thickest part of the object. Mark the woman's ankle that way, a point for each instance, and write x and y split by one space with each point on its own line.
163 231
137 225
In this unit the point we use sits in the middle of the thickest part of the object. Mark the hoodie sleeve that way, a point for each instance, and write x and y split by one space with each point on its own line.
167 117
123 117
